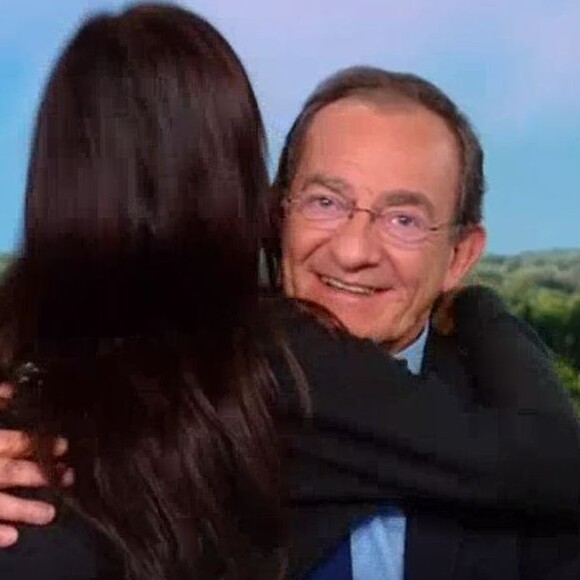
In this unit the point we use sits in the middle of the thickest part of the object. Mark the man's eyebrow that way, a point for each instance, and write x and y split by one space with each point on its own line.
407 197
335 184
388 198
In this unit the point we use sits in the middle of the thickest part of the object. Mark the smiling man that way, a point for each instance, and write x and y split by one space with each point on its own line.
380 184
379 221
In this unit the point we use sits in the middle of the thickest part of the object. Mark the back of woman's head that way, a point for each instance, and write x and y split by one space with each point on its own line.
148 173
136 288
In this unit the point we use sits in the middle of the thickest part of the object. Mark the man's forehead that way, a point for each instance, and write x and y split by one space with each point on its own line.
355 114
353 132
343 108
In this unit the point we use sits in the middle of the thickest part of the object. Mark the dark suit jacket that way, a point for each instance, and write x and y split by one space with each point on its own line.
439 547
453 541
450 545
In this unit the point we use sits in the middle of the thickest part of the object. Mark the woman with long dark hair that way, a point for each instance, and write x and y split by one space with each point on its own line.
135 292
135 297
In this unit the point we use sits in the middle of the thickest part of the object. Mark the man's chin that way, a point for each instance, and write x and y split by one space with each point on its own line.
361 317
367 331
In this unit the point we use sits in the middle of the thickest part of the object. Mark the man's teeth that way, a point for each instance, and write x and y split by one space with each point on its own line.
356 289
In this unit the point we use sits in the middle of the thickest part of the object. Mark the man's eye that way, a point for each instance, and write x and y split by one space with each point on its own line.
321 206
323 201
405 220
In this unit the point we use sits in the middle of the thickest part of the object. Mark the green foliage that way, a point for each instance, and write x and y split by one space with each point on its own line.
4 261
571 378
544 289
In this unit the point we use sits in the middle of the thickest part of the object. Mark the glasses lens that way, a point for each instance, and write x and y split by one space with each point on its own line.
322 207
407 226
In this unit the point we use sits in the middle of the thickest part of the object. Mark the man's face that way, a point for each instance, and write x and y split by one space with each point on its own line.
400 157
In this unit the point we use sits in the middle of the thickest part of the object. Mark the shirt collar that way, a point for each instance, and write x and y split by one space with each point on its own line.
413 354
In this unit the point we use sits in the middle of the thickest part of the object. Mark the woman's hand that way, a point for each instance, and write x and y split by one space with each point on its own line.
17 470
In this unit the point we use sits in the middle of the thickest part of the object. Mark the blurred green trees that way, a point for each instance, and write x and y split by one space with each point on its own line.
4 260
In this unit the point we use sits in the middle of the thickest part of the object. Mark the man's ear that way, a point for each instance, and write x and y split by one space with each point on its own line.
468 248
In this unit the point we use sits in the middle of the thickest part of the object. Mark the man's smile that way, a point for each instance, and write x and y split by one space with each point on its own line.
349 287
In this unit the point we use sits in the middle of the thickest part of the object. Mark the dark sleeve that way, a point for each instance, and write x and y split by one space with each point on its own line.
550 554
508 362
378 432
64 550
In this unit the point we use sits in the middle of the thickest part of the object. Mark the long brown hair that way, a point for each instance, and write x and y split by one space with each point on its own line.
136 294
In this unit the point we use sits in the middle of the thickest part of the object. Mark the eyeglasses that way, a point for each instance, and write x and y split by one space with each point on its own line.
408 226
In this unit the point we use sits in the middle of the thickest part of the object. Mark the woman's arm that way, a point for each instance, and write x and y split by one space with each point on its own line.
68 548
376 431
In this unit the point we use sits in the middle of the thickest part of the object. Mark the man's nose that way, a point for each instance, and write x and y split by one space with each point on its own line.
355 245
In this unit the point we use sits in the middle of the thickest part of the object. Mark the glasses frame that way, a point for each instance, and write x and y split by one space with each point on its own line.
292 201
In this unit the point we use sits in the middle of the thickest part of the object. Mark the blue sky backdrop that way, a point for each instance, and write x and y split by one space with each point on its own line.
514 67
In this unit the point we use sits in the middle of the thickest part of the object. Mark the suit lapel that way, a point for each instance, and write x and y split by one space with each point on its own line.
431 547
445 358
